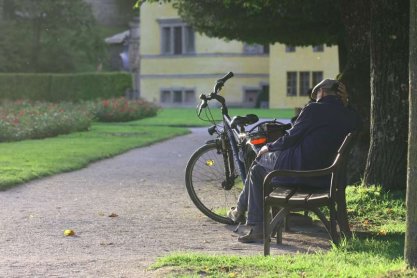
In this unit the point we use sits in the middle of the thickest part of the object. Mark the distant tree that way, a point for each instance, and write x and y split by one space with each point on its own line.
410 248
48 36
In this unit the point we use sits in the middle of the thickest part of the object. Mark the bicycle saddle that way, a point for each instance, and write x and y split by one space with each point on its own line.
244 120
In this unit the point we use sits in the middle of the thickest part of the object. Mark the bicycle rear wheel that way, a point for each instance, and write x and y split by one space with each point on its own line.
204 175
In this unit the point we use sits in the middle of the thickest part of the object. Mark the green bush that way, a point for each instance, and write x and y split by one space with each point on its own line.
22 120
122 110
63 87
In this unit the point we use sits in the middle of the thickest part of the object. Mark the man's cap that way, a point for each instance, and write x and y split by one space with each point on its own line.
325 84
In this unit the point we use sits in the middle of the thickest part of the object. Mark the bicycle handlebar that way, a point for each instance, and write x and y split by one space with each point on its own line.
220 82
226 77
214 95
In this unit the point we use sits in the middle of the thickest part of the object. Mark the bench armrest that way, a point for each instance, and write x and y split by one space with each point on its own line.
299 174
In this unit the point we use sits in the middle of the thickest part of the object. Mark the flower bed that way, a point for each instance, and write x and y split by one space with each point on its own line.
123 110
23 119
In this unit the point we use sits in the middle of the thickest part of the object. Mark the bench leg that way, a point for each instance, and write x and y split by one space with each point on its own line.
267 231
333 222
342 217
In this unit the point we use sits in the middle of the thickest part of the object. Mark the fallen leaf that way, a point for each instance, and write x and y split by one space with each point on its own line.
69 233
113 215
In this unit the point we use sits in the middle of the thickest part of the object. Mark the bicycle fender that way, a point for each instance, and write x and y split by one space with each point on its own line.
212 141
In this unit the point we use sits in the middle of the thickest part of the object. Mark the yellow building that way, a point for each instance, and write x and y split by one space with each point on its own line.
178 64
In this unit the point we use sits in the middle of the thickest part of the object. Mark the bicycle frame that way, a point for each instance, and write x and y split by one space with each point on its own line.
233 136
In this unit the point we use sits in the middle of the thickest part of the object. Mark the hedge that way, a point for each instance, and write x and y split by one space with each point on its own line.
63 87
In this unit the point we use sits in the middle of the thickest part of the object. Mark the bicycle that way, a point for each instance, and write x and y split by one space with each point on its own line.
212 172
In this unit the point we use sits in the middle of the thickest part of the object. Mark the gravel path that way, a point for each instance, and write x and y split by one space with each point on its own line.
144 190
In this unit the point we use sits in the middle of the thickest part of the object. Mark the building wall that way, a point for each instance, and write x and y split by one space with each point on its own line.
302 60
213 58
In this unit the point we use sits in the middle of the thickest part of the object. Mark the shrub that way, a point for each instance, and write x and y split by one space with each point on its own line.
123 110
63 87
21 120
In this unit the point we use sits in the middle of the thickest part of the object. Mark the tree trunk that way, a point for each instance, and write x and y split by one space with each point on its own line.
386 164
356 75
410 248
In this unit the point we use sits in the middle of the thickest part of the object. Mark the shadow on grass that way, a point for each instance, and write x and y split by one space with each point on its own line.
390 245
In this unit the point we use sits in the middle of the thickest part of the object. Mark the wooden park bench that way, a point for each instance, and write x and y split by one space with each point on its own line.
285 199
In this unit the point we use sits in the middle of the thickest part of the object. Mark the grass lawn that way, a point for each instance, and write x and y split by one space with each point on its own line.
188 116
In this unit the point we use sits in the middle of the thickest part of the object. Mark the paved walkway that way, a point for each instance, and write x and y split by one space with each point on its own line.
144 189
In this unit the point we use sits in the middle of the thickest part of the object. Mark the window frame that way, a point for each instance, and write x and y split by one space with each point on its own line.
187 40
292 88
314 78
185 92
255 49
318 48
304 84
289 48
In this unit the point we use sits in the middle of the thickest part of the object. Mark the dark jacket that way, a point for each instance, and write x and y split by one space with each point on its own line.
313 141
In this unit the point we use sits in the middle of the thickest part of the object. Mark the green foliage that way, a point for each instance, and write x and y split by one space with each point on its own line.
64 87
49 36
305 22
26 120
122 110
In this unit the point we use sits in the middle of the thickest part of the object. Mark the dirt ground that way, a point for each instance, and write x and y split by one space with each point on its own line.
126 212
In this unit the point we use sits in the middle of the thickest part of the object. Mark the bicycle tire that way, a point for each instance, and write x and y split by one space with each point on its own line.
204 175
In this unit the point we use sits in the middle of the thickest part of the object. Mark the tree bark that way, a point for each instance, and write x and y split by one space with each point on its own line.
410 248
386 163
356 76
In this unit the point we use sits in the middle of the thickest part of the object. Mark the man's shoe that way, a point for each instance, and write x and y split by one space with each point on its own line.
255 235
236 215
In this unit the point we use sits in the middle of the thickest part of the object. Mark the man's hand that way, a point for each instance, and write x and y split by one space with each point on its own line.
262 151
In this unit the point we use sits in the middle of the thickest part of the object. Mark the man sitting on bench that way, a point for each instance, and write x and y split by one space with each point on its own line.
310 144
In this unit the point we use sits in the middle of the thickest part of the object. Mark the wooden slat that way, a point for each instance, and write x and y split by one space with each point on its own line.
282 192
318 198
299 198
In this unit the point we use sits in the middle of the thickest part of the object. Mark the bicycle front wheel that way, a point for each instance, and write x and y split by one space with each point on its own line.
204 176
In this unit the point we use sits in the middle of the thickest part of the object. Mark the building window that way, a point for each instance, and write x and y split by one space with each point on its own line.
166 96
289 48
317 77
189 96
250 97
304 83
255 48
178 96
318 48
291 83
177 38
